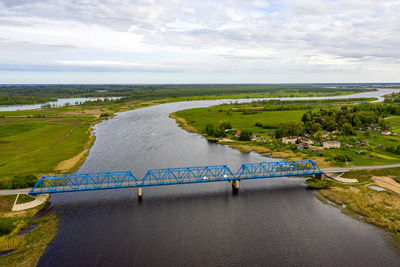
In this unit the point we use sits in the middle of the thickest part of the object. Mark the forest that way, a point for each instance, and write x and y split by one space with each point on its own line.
32 94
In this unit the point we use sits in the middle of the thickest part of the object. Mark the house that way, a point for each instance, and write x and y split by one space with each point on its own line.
325 134
331 144
363 143
305 140
258 138
290 139
386 132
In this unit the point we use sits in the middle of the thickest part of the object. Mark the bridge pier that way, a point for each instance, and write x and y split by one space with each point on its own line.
319 176
235 185
139 192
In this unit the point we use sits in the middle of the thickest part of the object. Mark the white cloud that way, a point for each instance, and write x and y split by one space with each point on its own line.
227 36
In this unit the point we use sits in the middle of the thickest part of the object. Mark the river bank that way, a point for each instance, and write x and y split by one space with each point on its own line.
360 200
375 199
271 222
26 233
107 155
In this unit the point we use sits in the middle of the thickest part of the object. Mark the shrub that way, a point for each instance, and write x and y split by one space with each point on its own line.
342 158
23 181
317 184
245 135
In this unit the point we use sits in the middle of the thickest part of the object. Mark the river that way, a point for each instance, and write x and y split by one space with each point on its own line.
270 222
58 103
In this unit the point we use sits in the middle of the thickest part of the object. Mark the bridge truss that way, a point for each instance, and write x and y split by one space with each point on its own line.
171 176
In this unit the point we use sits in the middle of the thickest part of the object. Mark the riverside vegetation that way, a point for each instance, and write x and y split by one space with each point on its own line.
56 140
366 132
32 94
363 130
35 143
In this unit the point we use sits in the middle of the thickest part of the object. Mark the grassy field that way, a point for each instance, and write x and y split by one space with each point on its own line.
54 140
200 117
246 116
33 145
395 122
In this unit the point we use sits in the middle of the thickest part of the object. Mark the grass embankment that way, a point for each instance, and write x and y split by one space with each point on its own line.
22 238
250 116
48 141
381 208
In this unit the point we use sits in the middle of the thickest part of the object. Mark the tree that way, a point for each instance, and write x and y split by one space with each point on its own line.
306 117
357 123
319 135
245 135
225 125
315 127
289 128
210 129
347 129
384 125
331 125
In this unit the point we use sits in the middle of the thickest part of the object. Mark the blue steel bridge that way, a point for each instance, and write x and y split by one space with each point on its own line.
173 176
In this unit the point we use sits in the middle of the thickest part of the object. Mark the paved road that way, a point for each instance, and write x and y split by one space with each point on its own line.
15 191
360 168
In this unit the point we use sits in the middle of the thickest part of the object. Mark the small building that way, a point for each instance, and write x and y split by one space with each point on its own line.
290 139
386 132
331 144
305 140
363 143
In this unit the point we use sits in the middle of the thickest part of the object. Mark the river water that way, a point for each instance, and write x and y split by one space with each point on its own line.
59 103
270 222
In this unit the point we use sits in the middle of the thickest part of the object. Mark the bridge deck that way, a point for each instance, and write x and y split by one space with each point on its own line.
171 176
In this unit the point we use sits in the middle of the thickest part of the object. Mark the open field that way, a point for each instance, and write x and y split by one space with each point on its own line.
262 119
51 140
200 117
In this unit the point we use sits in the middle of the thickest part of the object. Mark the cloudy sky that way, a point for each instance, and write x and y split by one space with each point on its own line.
220 41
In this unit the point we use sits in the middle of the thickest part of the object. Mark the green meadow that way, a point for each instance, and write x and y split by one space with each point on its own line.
200 117
247 116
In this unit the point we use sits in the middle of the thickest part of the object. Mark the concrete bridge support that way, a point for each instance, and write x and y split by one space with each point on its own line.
319 176
139 192
235 185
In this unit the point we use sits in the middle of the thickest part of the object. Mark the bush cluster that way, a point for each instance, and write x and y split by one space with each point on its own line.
19 181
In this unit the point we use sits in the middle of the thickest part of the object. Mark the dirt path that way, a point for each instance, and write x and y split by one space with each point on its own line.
387 182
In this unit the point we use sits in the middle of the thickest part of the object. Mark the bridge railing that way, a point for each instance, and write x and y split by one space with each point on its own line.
277 169
84 182
169 176
187 175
